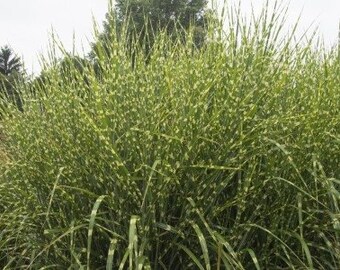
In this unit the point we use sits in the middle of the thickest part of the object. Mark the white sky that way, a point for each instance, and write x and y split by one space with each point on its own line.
323 15
26 24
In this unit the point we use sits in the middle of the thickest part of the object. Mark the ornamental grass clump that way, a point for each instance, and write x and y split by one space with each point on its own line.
219 157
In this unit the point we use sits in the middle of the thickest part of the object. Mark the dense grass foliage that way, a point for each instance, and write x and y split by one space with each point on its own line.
223 157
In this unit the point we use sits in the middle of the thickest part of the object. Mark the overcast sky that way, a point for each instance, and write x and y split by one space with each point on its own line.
321 14
26 24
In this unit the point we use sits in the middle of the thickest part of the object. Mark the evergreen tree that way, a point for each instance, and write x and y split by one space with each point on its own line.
9 62
10 72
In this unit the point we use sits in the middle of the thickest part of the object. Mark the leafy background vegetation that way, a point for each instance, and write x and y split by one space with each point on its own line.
222 155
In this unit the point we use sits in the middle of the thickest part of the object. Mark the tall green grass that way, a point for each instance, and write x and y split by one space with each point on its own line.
223 157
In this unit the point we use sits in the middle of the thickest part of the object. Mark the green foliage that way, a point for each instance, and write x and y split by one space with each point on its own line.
10 73
9 63
140 20
223 157
161 14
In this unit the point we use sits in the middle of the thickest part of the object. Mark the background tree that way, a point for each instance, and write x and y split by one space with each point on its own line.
161 14
146 17
9 62
10 72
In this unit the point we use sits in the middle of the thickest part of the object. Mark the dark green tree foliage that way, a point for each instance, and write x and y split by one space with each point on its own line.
9 62
144 18
161 14
10 73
